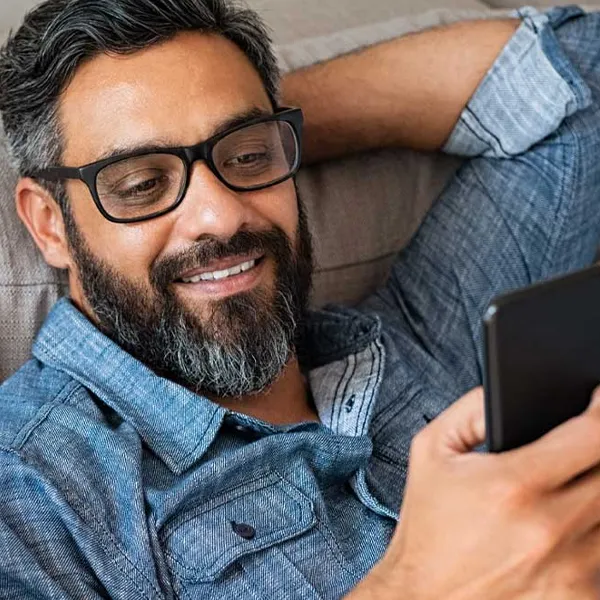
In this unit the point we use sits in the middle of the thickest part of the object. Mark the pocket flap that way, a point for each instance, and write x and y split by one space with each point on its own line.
202 542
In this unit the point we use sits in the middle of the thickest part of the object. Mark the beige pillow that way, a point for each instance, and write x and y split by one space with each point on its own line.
362 211
28 287
292 20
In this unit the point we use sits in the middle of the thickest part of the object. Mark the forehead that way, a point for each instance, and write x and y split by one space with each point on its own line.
175 93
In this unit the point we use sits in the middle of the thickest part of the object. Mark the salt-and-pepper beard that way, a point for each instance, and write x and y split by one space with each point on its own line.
245 343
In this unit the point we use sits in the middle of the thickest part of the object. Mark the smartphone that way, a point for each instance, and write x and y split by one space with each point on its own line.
542 357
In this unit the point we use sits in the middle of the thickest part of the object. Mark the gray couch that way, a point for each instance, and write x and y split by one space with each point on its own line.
390 190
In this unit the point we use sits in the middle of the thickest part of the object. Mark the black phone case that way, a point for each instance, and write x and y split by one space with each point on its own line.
542 357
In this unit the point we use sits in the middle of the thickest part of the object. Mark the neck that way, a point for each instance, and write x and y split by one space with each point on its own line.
285 402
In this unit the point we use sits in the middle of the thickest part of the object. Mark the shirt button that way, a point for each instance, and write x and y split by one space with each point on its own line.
246 531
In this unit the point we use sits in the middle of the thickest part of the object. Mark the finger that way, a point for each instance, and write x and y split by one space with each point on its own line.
563 454
583 558
461 427
577 506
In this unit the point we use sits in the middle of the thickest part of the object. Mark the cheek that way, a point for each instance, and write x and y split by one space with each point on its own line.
280 207
128 248
131 249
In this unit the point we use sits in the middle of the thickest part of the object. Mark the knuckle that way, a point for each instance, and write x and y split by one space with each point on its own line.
544 535
512 492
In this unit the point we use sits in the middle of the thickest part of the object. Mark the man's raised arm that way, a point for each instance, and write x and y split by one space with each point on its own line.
407 92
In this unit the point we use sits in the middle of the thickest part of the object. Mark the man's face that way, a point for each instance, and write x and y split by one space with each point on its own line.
225 337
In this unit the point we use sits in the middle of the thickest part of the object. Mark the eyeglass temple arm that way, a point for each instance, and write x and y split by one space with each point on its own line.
57 173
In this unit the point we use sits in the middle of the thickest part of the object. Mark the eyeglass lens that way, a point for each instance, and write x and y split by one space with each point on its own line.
249 158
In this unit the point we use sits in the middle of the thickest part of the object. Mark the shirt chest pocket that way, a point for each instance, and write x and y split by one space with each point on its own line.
240 530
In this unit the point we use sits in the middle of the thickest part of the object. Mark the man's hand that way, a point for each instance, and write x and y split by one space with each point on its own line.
520 525
407 92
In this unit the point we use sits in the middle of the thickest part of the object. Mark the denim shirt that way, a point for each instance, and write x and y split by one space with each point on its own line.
117 483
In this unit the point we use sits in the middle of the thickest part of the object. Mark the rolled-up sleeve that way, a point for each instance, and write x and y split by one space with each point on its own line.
531 88
501 223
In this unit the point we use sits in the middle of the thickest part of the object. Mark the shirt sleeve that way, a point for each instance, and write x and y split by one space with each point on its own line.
524 97
500 224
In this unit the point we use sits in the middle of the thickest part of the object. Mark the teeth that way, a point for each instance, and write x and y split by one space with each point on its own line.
217 275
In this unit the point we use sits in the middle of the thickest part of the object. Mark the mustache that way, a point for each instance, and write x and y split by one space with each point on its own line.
167 270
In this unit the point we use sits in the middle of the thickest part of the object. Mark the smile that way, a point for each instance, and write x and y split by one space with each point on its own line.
224 274
233 276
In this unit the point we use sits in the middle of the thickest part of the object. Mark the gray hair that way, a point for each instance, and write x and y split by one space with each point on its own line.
40 59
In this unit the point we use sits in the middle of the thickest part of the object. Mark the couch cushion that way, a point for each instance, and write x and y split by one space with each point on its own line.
28 287
292 20
589 5
314 49
362 211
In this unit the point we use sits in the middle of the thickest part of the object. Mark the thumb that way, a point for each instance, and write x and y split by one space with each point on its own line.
461 428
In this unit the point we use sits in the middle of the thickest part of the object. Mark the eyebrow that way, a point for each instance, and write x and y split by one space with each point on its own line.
231 123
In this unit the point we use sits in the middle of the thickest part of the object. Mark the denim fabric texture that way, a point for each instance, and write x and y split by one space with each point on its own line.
116 483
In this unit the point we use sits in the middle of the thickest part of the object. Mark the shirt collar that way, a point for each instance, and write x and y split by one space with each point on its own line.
334 333
175 423
344 357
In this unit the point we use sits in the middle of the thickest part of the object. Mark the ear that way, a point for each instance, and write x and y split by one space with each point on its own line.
43 217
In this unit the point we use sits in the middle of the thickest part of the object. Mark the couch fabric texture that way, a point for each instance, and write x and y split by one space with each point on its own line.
389 191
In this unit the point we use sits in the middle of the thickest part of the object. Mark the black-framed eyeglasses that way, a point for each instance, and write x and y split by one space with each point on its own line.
144 185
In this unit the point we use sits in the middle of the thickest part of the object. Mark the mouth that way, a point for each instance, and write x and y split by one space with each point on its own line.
223 278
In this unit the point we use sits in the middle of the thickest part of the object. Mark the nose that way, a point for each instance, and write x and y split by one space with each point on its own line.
212 209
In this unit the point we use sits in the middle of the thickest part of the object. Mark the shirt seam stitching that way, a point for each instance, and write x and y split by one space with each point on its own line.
186 457
339 399
379 357
199 510
494 136
564 191
62 397
74 505
11 451
81 510
177 559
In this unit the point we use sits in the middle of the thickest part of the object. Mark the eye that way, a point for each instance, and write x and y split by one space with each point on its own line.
249 159
143 187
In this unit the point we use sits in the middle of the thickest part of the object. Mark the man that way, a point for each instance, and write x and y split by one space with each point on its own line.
186 429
